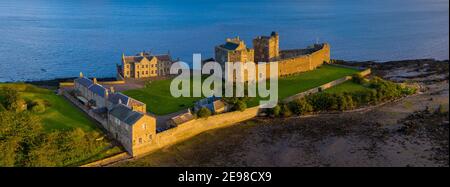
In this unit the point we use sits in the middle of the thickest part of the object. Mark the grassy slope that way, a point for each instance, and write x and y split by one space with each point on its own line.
60 114
160 102
288 86
348 86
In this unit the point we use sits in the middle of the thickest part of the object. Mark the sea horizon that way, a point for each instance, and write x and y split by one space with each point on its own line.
48 39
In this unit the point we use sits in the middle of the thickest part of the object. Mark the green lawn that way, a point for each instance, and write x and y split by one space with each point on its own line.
158 98
60 114
288 86
160 102
348 86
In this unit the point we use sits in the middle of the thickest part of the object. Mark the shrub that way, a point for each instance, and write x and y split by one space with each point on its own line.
238 103
285 111
357 78
38 107
323 101
301 106
275 110
203 112
240 106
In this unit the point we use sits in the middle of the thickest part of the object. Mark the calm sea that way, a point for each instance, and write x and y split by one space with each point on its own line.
45 39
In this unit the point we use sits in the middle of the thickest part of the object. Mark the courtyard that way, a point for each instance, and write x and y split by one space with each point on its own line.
156 93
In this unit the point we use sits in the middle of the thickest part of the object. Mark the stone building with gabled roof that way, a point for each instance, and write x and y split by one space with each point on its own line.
126 118
91 91
132 129
215 104
119 98
234 50
145 65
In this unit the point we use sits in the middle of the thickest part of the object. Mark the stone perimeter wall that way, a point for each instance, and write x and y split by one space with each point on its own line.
197 126
299 62
304 63
192 128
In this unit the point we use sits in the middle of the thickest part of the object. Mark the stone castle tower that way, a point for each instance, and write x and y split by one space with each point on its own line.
266 48
234 50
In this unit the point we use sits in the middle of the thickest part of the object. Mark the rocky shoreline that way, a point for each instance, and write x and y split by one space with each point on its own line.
379 67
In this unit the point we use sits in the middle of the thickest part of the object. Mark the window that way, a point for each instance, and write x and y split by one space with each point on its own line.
142 66
140 140
146 72
146 66
150 137
144 126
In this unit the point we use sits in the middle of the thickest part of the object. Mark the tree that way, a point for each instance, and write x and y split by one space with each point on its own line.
38 107
13 101
2 108
203 112
18 135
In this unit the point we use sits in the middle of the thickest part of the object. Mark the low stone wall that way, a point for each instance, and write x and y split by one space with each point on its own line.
365 72
195 127
109 160
113 82
71 84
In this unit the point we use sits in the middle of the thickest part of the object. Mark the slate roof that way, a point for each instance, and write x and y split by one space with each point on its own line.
84 81
163 58
230 46
115 97
134 59
185 116
133 102
125 114
98 89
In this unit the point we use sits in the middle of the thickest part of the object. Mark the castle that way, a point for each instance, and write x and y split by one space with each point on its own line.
127 120
266 49
145 65
234 50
